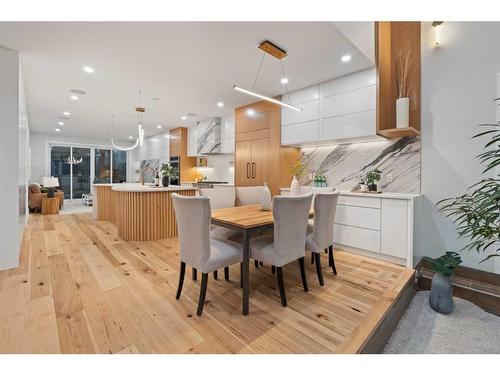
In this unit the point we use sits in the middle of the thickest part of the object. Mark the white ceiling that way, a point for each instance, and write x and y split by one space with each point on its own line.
189 66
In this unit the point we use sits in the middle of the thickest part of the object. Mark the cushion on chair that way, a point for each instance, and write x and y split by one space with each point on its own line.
223 253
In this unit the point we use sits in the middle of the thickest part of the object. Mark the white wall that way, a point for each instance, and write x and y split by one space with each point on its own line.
9 156
38 142
458 85
23 152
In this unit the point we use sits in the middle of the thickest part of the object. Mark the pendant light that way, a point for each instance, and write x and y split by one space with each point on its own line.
140 127
277 52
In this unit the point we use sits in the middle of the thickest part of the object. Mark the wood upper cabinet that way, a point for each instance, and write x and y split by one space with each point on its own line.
259 157
178 146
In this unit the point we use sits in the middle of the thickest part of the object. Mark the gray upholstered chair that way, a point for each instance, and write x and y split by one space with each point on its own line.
247 195
320 234
220 197
197 249
287 244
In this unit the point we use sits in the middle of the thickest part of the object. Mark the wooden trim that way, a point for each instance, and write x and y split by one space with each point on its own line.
479 287
273 49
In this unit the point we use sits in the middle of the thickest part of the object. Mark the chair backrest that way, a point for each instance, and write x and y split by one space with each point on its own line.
290 226
220 197
325 206
193 222
248 195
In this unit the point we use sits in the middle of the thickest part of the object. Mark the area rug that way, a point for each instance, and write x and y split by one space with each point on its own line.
468 329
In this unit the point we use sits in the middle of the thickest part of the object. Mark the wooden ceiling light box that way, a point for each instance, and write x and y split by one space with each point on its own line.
272 49
390 39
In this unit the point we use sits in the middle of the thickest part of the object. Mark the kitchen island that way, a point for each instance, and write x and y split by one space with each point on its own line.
140 212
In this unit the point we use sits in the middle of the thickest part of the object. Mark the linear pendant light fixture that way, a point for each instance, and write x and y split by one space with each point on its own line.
263 97
278 53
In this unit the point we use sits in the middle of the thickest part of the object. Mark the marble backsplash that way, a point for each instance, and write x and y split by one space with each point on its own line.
345 165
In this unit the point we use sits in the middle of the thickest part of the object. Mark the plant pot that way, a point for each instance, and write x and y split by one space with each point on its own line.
441 297
372 187
295 187
402 112
165 180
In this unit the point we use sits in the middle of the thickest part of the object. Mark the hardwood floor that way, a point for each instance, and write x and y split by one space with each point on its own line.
81 289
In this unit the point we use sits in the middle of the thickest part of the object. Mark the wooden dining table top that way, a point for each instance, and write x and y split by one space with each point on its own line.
245 217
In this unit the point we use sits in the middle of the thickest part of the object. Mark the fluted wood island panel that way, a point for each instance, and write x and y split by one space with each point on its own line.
140 213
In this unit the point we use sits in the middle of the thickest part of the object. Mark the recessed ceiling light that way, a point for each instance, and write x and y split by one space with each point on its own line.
158 126
130 137
192 114
346 58
57 129
74 97
156 98
66 113
60 123
183 118
88 69
220 104
284 81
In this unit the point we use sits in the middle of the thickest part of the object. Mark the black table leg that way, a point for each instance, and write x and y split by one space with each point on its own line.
245 271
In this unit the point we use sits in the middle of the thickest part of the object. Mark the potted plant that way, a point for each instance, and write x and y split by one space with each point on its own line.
441 297
372 178
297 170
476 212
167 172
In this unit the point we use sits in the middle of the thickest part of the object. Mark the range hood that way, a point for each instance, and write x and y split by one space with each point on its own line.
209 136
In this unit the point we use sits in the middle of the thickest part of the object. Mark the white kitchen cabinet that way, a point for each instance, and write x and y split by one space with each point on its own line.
227 134
394 219
377 225
335 110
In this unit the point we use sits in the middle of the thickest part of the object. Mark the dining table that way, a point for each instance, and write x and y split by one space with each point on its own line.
247 220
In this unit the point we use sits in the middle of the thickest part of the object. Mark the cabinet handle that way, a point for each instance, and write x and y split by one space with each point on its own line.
248 170
253 170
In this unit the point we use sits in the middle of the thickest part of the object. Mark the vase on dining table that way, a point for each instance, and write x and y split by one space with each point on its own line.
266 201
295 187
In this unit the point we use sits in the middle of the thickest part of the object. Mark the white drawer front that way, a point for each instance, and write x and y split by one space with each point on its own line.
359 238
362 217
300 133
350 200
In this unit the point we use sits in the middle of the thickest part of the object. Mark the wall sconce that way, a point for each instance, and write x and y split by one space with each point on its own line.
437 32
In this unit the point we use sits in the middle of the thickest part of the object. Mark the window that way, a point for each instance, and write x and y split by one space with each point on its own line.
119 166
102 166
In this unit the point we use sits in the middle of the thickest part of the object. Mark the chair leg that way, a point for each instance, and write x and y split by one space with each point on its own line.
256 262
203 293
261 263
215 275
331 261
319 271
273 270
181 280
194 274
326 251
281 286
303 274
312 257
241 275
226 273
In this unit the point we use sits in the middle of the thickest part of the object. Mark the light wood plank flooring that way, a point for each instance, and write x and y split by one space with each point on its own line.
81 289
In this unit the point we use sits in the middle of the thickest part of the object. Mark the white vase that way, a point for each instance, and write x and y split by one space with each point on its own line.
295 187
402 112
266 201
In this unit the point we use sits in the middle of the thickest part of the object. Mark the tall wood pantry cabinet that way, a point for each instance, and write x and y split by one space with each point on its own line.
259 156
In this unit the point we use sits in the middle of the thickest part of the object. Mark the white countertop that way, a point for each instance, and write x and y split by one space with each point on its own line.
138 188
387 195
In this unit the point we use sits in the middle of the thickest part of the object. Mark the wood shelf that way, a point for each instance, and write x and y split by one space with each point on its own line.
398 132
